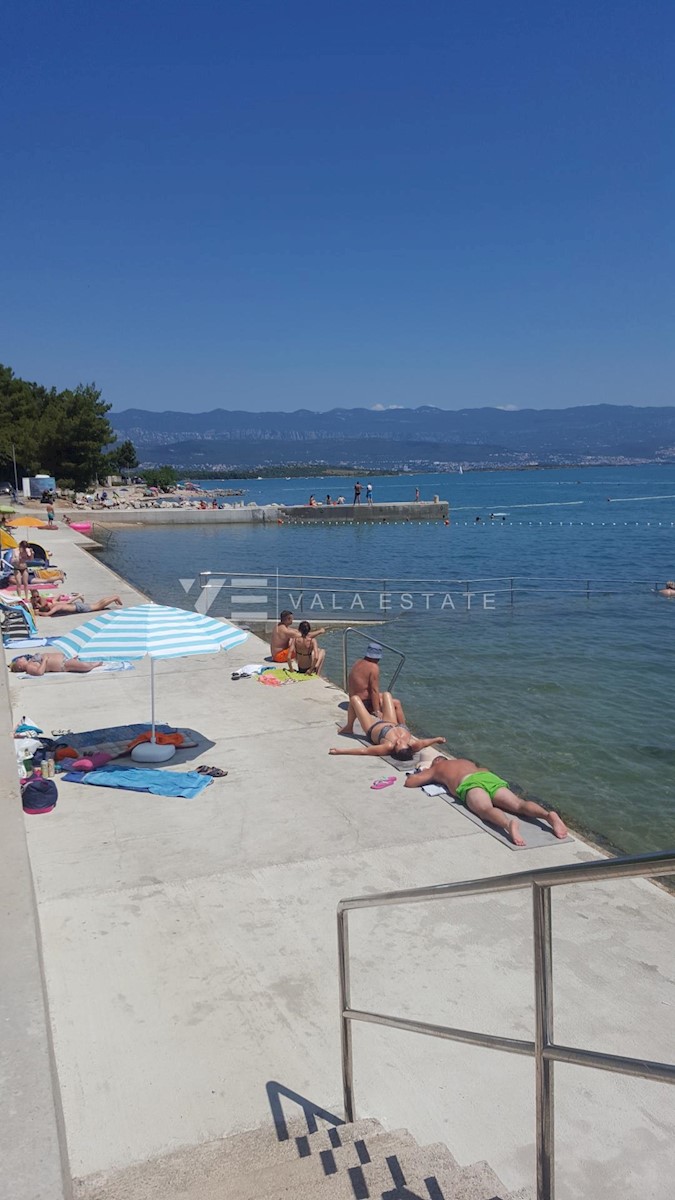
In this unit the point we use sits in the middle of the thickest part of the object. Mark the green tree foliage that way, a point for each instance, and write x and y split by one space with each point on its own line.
122 457
62 433
161 477
126 455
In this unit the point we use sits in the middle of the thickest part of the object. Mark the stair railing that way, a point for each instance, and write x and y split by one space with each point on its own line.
544 1050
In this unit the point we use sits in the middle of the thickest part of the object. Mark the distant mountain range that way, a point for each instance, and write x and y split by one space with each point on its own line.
395 437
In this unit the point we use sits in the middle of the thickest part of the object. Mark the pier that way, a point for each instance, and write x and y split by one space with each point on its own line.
187 950
228 514
419 510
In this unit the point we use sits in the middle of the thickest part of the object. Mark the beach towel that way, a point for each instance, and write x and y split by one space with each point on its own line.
29 643
50 573
114 664
275 676
185 784
116 740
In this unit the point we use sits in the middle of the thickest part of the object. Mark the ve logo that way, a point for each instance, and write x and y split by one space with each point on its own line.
245 596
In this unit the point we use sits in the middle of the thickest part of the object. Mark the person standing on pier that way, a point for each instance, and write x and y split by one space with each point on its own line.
417 494
369 493
357 492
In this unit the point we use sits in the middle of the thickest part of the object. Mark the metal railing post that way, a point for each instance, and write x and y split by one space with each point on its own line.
345 1023
302 589
543 1049
397 672
543 1038
344 660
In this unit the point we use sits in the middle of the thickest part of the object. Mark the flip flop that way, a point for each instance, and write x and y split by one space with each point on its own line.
215 772
382 783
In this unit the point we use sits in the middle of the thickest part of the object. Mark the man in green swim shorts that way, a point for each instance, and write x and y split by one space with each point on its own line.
486 795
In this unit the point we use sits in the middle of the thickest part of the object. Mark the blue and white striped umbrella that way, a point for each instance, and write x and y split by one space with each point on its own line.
149 630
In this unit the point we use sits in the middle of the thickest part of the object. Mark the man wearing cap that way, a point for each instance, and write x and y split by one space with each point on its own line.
364 682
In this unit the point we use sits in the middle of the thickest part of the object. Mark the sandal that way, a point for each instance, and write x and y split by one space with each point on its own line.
382 783
215 772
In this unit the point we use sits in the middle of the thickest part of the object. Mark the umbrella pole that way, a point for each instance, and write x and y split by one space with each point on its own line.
152 696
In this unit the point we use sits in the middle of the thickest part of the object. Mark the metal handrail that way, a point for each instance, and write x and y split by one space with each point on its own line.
543 1049
429 579
369 638
520 589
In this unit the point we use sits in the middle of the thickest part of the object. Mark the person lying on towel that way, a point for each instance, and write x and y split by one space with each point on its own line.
61 608
44 661
385 734
486 795
284 635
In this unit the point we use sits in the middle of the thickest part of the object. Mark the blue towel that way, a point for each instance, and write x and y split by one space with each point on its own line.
144 779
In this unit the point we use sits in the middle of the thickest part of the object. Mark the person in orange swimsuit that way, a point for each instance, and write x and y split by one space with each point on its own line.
284 635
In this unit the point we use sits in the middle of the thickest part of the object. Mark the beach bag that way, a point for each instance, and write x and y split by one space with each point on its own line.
39 795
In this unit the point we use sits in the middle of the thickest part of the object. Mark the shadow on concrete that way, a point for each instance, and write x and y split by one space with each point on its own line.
277 1091
190 753
361 1188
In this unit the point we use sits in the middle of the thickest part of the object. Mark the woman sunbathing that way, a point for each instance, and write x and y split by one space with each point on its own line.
72 607
384 734
47 661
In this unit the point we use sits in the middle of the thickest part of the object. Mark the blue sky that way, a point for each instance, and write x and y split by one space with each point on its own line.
286 205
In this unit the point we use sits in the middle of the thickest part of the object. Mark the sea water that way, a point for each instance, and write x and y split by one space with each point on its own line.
560 683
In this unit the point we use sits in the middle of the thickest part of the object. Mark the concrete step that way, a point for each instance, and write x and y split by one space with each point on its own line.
331 1138
199 1171
398 1169
407 1175
347 1162
337 1172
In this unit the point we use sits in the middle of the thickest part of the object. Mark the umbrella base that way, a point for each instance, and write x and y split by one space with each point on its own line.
152 752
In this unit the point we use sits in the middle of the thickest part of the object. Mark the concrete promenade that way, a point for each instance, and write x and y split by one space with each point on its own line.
190 948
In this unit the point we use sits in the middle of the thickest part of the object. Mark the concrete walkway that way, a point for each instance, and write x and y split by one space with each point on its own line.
190 949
